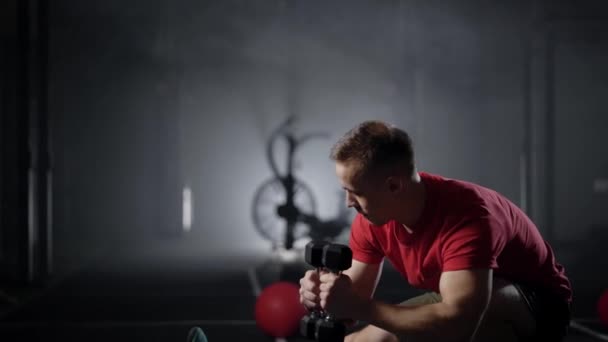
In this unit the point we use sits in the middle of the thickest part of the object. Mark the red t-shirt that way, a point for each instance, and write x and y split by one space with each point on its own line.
463 226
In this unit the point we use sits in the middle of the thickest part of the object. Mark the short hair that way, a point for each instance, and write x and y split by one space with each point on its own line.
375 145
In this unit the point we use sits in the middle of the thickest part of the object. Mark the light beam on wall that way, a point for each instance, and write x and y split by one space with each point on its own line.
186 209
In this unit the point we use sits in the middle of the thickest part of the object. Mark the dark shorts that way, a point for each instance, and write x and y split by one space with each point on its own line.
552 313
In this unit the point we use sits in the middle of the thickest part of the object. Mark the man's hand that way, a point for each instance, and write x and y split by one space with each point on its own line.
309 290
338 298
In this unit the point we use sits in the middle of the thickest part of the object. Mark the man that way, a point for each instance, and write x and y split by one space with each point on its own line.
489 273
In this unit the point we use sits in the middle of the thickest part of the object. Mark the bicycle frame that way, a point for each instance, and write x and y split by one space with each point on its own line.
289 211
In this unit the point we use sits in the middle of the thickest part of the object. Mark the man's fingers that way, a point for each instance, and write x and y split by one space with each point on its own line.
309 287
310 296
324 287
310 304
328 277
311 275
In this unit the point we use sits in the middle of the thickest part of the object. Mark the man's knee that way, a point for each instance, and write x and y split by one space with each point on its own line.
371 333
509 305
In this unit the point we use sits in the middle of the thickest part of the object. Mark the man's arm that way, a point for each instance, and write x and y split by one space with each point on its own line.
364 278
465 297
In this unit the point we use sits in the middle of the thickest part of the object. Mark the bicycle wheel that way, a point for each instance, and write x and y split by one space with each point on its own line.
268 197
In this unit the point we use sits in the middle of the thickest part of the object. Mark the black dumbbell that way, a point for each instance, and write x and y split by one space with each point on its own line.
313 255
329 330
336 258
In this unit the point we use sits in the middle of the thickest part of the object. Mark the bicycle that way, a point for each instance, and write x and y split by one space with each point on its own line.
286 198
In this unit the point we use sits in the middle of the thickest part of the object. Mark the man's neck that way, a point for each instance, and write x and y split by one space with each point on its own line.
414 202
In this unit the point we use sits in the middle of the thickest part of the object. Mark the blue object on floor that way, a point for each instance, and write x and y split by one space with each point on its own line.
196 334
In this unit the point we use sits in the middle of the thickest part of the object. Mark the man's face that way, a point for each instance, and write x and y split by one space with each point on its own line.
366 194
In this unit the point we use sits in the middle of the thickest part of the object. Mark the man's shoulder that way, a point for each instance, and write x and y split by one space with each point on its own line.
461 188
459 200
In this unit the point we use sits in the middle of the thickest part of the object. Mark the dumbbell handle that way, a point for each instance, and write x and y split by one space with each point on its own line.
321 312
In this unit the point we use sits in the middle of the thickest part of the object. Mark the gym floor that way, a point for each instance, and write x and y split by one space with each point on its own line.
160 296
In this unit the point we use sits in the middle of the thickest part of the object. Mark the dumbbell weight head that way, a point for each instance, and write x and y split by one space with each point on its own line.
308 325
337 257
313 253
328 330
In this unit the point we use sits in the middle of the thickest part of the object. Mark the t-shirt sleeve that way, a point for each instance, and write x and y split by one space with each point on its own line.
363 244
473 244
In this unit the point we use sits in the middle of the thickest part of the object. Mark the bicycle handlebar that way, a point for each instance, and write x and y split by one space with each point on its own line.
292 144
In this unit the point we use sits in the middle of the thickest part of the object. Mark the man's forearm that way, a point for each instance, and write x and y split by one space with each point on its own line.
437 319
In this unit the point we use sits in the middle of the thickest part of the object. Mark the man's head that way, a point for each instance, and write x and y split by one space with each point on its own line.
375 164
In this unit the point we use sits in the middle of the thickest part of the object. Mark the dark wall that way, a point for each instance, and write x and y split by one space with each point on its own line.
568 122
25 222
149 97
112 100
8 95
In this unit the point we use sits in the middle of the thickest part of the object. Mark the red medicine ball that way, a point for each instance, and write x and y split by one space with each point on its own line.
602 308
278 310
